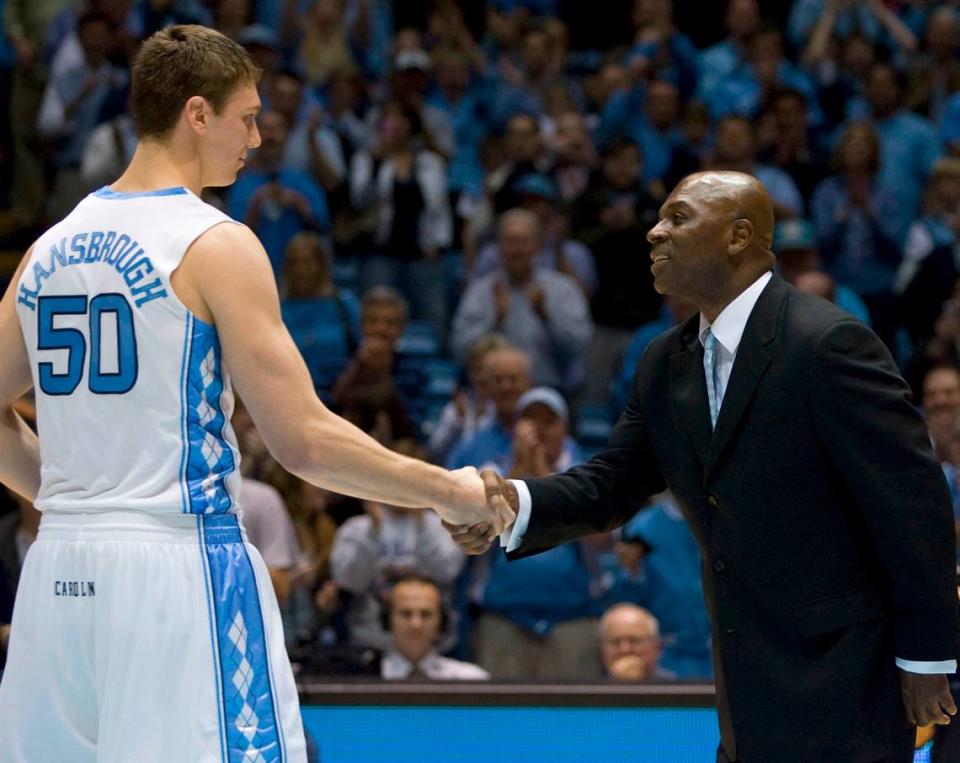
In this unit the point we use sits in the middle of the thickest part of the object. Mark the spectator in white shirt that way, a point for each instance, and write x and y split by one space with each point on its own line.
415 617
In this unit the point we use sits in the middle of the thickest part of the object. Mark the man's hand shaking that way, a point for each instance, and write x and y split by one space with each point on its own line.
502 503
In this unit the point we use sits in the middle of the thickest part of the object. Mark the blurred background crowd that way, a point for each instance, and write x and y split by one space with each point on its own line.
455 197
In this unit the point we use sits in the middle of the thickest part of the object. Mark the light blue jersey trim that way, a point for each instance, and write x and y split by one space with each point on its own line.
108 193
210 457
185 445
212 622
249 710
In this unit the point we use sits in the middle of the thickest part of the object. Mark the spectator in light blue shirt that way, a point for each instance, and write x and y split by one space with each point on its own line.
795 244
720 60
463 101
949 125
323 320
736 150
675 311
662 573
508 371
539 614
908 145
854 17
650 117
72 105
660 50
277 203
743 91
857 224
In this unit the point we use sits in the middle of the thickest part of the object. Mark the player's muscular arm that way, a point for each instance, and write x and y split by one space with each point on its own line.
19 449
229 272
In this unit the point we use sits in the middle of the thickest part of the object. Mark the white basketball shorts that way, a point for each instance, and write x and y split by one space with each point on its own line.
142 638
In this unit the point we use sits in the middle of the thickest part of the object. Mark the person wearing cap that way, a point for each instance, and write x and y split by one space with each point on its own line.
409 82
795 244
538 193
539 616
540 311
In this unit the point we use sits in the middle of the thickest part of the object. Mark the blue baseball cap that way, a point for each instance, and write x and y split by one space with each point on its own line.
790 235
545 396
535 184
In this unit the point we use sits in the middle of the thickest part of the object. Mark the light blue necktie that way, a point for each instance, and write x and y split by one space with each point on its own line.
710 369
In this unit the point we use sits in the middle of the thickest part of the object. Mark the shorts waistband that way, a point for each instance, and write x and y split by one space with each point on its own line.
141 526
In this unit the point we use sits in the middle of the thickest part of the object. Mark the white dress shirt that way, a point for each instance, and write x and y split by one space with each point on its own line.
394 666
728 329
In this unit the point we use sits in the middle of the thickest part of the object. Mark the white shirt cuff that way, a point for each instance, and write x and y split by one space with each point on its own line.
944 666
512 537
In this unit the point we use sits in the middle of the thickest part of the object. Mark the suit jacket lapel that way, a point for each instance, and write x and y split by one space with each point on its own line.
689 390
753 358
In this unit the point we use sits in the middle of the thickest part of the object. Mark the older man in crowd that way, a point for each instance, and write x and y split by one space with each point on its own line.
540 311
630 645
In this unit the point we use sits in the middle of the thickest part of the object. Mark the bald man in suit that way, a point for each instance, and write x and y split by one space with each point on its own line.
783 429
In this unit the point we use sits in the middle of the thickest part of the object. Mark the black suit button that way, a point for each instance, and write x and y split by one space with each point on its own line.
719 565
712 500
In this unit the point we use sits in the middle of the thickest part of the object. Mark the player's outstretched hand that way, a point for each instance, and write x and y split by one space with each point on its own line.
926 698
502 504
473 506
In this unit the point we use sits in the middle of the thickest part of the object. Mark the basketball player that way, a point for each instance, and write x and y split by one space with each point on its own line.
145 627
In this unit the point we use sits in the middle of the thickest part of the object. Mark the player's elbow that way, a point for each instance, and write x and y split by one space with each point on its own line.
300 450
296 457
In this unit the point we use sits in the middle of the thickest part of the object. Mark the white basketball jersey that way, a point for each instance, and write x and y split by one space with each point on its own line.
133 401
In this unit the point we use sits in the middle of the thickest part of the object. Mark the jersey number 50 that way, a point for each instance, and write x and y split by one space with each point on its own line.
119 379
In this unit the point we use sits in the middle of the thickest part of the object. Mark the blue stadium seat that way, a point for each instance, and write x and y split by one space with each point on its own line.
593 427
443 377
345 274
419 339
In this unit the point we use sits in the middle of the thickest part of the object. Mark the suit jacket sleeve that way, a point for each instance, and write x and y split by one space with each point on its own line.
883 459
604 492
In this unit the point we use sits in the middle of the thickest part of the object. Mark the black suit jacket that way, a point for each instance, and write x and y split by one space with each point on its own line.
822 516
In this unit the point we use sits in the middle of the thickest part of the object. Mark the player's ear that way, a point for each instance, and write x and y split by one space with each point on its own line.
197 111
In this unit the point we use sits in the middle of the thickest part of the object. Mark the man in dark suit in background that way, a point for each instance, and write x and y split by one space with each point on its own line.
784 431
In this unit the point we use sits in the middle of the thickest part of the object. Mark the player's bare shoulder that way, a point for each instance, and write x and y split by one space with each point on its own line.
223 261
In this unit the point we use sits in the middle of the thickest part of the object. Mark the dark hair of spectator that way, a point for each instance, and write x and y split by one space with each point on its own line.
94 17
849 134
619 144
409 112
898 76
941 366
736 118
384 295
781 92
180 62
290 73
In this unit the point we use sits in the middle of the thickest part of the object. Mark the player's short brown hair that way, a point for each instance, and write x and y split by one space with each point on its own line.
178 63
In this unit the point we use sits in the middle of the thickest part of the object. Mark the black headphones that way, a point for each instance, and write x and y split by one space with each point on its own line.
387 606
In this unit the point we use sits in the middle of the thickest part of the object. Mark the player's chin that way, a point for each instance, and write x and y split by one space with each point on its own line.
228 178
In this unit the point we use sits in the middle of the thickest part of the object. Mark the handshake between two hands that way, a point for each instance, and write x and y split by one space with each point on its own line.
475 525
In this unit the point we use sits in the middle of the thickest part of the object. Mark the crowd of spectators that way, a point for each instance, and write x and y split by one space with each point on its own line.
454 197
